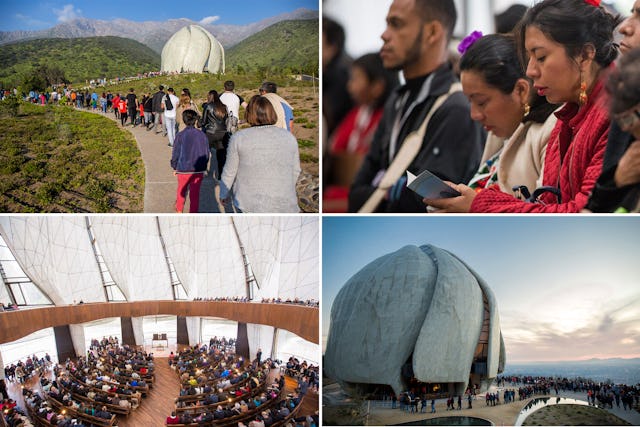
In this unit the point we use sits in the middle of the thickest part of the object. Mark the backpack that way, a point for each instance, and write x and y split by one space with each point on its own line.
232 123
168 105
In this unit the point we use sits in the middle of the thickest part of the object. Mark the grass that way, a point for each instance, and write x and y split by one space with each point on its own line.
305 143
56 159
573 415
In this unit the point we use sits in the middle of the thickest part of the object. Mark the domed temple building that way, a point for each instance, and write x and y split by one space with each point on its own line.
415 316
176 315
193 49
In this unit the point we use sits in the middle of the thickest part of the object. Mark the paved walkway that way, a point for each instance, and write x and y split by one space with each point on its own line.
380 413
503 414
160 184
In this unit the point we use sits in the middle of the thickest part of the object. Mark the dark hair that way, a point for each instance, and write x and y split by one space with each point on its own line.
624 83
131 89
161 87
219 109
333 33
443 11
507 20
170 90
187 92
189 117
495 58
229 85
260 112
371 65
573 24
269 87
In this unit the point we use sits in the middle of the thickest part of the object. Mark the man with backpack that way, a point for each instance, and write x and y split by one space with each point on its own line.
157 108
169 103
233 103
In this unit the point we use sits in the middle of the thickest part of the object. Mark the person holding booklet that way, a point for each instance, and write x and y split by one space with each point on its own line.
425 124
568 48
262 164
519 121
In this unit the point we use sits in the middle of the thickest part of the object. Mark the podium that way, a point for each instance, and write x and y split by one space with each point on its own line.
158 340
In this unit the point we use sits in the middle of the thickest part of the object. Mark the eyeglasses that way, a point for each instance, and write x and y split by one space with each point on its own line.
629 119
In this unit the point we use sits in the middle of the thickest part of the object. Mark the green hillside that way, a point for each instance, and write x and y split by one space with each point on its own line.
288 46
80 59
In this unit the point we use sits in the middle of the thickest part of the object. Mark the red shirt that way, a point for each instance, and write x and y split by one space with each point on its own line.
122 106
173 420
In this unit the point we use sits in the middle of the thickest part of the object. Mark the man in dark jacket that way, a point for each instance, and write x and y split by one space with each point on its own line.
415 42
156 108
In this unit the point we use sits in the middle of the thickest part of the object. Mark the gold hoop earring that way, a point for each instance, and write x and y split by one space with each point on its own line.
582 98
527 109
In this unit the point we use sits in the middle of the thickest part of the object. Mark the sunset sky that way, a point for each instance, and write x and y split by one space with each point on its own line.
568 288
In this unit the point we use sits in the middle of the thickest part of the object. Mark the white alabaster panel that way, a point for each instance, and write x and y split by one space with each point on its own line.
193 49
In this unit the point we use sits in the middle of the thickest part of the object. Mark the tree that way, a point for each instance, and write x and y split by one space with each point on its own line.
34 81
53 74
43 76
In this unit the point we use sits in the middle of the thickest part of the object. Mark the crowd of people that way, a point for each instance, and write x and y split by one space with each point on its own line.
21 371
597 393
207 139
8 307
546 119
218 385
275 300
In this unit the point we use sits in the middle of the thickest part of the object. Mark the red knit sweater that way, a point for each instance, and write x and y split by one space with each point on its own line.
573 161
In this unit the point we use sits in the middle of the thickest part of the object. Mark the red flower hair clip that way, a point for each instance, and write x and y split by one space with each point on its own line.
595 3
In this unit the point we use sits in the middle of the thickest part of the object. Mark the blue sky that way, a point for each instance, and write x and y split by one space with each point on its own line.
568 288
41 14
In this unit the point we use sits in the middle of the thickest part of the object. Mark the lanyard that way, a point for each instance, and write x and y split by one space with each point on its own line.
401 118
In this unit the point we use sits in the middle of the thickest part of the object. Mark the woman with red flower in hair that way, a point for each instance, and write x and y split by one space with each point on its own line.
568 48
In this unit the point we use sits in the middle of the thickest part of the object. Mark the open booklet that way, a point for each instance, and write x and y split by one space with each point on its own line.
429 186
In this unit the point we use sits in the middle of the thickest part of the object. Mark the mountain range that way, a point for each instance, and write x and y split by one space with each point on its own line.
152 33
618 370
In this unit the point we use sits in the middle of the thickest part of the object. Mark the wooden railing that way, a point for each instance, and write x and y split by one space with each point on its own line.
299 319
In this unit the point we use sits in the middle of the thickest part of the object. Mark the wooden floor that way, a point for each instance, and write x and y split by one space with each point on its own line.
155 408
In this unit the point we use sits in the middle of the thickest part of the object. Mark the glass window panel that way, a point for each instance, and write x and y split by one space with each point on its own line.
12 269
290 344
17 294
160 325
33 295
180 292
218 328
38 343
102 328
115 294
5 253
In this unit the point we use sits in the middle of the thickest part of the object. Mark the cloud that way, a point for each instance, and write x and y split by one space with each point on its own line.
31 22
613 332
209 20
67 13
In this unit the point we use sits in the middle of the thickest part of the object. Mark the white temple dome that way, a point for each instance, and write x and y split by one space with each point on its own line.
193 49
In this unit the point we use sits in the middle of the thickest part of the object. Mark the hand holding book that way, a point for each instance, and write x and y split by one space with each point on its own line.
429 186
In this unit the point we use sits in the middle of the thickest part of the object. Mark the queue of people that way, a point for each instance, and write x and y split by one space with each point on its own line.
257 167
